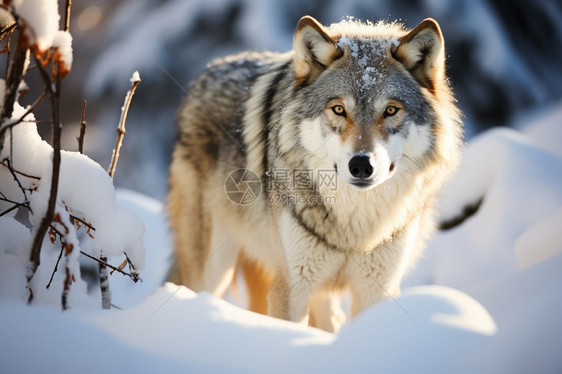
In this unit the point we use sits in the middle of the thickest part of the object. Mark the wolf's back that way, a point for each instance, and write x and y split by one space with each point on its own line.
213 107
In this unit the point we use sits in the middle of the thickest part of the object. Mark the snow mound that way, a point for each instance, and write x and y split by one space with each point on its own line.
519 184
79 346
540 242
198 330
433 329
14 256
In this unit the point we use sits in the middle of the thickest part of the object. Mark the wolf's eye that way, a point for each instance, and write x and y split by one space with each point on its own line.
338 110
390 111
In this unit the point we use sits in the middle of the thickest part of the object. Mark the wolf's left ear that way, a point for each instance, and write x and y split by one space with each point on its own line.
314 50
422 52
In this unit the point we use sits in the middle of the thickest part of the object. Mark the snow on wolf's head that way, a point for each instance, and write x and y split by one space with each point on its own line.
374 101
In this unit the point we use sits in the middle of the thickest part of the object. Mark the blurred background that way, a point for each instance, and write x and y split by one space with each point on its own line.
504 60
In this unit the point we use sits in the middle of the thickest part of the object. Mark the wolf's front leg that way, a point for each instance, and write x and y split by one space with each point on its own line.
325 311
308 265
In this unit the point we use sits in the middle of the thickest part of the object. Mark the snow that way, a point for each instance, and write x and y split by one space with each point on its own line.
63 44
40 26
42 20
157 242
14 254
526 306
364 52
520 183
450 329
135 77
540 242
486 298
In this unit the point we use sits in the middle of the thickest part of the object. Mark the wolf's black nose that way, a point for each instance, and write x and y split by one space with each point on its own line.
360 167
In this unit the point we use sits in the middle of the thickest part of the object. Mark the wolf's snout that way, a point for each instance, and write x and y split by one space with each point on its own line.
360 167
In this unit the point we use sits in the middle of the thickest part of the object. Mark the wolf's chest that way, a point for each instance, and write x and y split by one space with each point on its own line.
349 224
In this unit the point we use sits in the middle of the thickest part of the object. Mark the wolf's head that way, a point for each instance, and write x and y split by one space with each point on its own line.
374 99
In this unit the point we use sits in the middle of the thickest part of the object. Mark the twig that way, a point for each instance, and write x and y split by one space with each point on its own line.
43 122
10 124
82 221
3 163
8 45
16 71
80 137
58 261
7 30
13 207
134 277
5 199
13 172
68 5
131 265
6 163
63 246
121 127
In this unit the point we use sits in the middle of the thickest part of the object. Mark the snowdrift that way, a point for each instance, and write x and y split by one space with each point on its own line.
485 298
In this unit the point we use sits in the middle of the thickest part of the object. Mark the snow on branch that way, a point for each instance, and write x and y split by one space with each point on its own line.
104 275
48 195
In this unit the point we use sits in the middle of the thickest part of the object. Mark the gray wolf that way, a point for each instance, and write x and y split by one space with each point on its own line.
360 115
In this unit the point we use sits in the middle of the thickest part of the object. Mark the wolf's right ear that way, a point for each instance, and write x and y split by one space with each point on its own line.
314 50
422 53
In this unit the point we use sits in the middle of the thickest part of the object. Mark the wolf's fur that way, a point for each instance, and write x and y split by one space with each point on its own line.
324 106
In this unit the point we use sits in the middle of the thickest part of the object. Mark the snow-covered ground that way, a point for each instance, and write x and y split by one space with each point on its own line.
485 298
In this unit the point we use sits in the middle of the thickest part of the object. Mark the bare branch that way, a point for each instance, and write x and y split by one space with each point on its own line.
132 268
67 7
134 277
16 71
57 263
82 221
80 137
6 163
104 284
121 127
5 199
11 123
13 207
7 30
